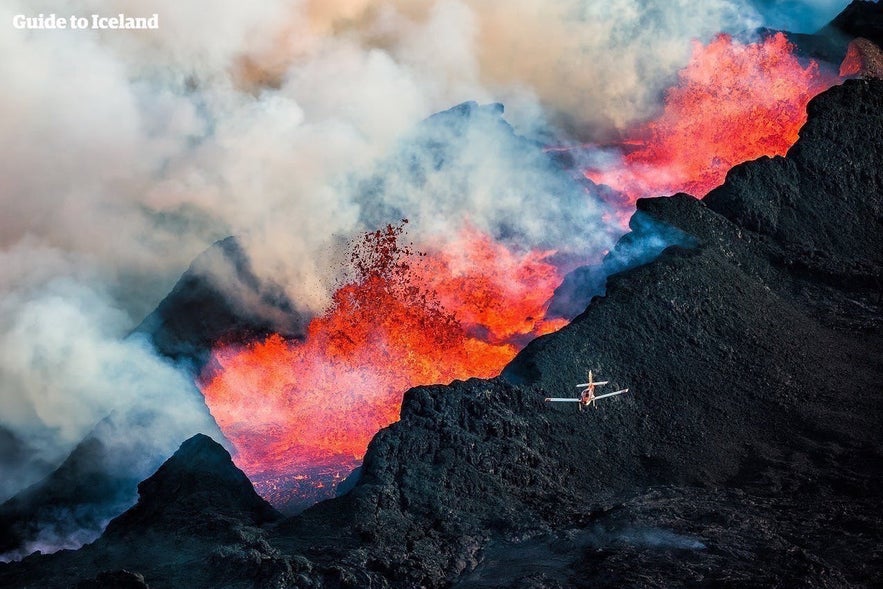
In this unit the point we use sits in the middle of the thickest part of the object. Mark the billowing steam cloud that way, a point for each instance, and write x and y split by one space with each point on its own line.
140 148
126 153
66 366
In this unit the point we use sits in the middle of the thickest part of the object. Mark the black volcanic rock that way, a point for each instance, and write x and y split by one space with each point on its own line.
114 580
863 59
219 298
753 363
647 238
862 18
830 179
199 478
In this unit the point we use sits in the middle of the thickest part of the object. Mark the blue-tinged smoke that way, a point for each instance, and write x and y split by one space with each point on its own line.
797 16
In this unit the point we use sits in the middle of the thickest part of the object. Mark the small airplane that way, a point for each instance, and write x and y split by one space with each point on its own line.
588 395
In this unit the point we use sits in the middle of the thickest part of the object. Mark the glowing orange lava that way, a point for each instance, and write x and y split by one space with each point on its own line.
734 102
292 407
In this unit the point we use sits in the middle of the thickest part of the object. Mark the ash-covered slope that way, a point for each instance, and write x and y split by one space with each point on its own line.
17 461
860 19
455 158
747 452
219 298
74 502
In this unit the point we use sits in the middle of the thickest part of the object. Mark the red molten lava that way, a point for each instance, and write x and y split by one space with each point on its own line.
734 102
863 58
293 409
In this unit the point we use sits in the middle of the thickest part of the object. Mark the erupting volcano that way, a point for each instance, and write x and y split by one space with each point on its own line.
287 290
300 414
735 102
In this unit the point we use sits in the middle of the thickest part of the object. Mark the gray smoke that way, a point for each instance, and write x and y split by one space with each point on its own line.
66 365
658 538
646 240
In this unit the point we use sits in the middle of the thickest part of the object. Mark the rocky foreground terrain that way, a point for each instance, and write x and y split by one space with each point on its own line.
748 451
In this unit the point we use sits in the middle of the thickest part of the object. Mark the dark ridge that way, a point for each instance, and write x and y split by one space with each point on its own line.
803 206
466 110
219 298
196 524
12 450
447 141
861 18
18 462
199 479
436 143
646 239
829 44
827 49
78 497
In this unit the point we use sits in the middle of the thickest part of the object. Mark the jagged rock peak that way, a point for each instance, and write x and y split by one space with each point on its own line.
199 478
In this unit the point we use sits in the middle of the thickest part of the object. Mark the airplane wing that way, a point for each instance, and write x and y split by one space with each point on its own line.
585 384
611 394
561 400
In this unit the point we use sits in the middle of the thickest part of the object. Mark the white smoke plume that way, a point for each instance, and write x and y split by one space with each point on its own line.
66 366
141 148
123 154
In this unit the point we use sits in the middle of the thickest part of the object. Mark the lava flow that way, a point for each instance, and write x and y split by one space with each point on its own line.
300 414
734 102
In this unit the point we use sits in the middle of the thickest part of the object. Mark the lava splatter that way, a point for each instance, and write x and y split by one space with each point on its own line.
300 414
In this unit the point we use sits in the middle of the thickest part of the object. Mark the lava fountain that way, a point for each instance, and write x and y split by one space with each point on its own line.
300 414
734 102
